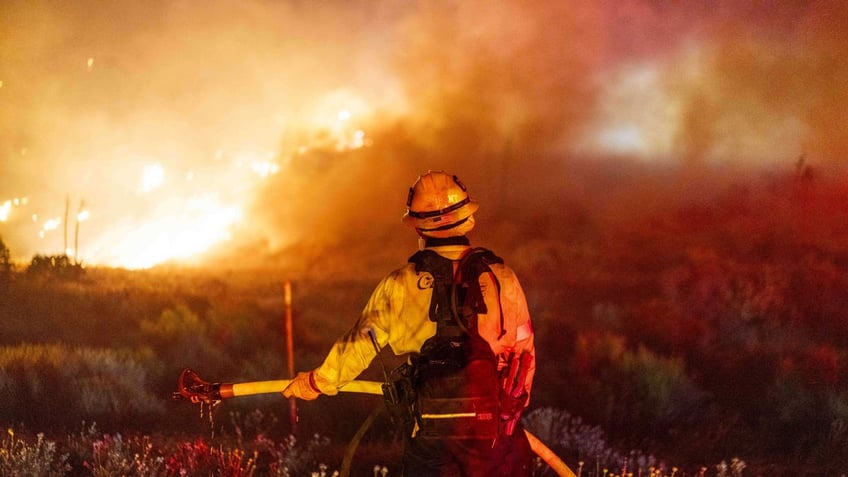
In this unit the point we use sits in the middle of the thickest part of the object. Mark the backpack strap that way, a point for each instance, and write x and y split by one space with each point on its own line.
441 305
457 296
474 263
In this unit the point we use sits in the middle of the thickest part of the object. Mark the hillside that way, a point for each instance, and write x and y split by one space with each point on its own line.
696 330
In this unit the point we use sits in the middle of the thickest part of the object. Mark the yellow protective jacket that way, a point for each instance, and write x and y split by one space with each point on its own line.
398 314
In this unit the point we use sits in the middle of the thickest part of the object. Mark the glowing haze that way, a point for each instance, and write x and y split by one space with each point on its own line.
137 133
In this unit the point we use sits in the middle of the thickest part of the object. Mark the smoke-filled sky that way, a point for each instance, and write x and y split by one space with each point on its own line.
138 132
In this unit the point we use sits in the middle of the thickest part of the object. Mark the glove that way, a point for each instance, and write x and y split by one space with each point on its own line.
303 387
512 406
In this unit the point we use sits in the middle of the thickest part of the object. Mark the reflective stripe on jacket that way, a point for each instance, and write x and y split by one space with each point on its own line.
398 314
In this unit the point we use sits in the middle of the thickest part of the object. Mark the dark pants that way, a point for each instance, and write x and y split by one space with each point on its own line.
511 456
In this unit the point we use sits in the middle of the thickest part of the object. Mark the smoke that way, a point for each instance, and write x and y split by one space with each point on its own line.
491 90
513 72
342 105
759 90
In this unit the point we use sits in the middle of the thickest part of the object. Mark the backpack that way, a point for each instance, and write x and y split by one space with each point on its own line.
455 376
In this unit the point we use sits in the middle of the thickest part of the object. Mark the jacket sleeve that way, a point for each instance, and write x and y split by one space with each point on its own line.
518 336
353 352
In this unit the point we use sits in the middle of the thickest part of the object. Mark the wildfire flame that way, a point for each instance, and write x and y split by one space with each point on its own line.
5 209
176 215
178 231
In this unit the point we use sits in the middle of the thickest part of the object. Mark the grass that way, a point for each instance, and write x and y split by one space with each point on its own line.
91 452
697 332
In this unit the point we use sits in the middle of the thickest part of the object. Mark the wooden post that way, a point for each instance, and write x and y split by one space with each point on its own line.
290 353
65 224
76 233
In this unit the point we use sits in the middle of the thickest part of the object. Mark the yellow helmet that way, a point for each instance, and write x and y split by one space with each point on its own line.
438 205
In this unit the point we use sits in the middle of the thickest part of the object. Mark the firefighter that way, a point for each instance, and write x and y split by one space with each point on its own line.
461 316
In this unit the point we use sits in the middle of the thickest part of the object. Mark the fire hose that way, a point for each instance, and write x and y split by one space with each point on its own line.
195 389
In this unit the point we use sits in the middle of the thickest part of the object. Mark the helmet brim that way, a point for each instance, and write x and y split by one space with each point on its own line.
441 220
